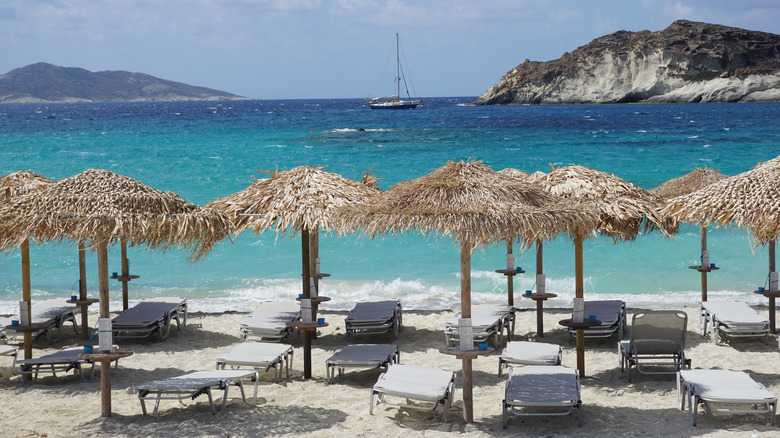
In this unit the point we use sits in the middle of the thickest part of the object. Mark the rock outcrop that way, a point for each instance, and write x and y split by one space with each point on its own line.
686 62
42 82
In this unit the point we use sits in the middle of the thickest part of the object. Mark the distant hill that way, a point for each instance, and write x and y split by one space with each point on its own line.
686 62
42 82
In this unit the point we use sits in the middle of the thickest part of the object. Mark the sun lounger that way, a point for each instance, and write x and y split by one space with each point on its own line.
52 314
362 356
529 353
374 317
259 355
657 340
194 384
267 321
149 316
542 390
431 386
732 318
9 350
724 391
487 320
611 313
62 361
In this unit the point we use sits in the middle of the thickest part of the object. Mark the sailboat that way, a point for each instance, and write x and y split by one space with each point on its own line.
395 101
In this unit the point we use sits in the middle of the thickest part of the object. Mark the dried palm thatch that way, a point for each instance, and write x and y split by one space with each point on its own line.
688 183
305 197
624 209
749 201
470 202
19 183
99 204
514 173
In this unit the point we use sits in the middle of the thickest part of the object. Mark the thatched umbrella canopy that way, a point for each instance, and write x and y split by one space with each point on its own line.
624 211
474 205
12 186
690 182
748 201
298 201
103 207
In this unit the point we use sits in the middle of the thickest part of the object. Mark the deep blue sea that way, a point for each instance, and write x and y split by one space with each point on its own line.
206 150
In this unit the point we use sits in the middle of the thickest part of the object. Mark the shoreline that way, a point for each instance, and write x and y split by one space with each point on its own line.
612 407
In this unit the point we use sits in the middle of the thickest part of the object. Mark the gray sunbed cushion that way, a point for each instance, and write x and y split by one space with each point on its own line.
363 354
195 381
542 385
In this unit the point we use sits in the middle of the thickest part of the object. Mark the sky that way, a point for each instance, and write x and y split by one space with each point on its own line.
318 49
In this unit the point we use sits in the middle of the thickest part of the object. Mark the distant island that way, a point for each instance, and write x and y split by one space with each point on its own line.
42 82
686 62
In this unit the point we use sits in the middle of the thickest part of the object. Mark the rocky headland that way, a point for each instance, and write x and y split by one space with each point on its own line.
42 82
686 62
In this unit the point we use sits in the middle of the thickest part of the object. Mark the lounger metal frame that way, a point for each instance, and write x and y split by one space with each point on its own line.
729 328
504 321
271 324
53 316
280 363
357 324
168 312
655 352
379 396
504 360
9 350
526 382
688 389
362 356
61 361
608 327
190 386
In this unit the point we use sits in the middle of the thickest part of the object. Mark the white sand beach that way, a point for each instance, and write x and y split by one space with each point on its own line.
612 407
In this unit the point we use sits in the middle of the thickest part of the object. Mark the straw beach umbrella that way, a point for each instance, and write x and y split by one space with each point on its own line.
474 205
12 186
688 183
624 210
298 201
103 207
748 201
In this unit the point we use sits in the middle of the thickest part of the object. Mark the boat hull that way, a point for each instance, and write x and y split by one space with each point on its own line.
404 105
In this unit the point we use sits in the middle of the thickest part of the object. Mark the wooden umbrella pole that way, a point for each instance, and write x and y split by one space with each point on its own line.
314 251
579 292
105 367
306 274
772 310
83 289
465 311
27 296
510 279
125 273
703 272
539 271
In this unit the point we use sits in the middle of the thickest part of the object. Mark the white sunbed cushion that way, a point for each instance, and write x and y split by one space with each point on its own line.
253 353
531 353
725 385
415 382
543 385
734 312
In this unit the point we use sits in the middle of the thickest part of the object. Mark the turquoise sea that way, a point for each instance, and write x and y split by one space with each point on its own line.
206 150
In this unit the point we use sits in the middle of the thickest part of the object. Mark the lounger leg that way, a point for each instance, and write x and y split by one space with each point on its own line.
211 400
157 402
505 417
694 409
373 403
141 395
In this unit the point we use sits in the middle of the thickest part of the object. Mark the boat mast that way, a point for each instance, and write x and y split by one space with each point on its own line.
397 67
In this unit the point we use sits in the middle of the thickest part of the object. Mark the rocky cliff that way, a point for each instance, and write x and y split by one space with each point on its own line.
686 62
43 82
